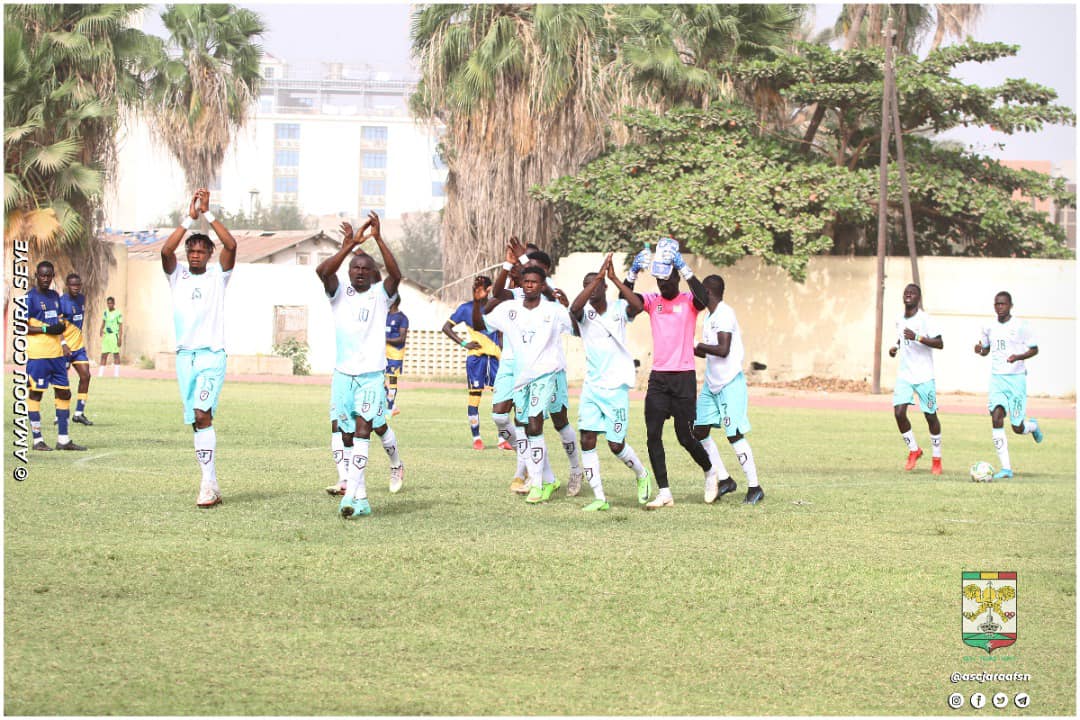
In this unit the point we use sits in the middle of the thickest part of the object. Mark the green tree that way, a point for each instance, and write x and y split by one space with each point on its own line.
204 84
725 189
531 92
69 71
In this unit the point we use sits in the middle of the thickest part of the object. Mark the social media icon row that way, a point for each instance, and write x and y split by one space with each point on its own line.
999 700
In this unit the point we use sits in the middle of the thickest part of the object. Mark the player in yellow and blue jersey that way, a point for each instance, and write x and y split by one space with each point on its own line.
73 308
397 331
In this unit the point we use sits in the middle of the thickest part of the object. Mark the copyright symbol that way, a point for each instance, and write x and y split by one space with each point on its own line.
956 701
19 473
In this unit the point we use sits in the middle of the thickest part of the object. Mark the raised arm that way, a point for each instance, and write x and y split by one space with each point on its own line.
168 250
327 269
228 242
577 308
635 301
392 270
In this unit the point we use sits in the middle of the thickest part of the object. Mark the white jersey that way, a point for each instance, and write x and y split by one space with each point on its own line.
360 327
608 362
507 353
916 359
1004 339
719 371
199 306
534 336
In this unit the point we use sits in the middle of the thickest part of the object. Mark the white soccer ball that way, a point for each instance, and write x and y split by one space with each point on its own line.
982 471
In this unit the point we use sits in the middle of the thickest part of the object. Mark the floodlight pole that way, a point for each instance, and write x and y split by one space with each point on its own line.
883 209
909 224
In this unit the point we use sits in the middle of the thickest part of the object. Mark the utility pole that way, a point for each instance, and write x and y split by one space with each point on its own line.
883 210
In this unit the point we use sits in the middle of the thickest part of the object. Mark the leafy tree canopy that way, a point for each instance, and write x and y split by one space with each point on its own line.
726 187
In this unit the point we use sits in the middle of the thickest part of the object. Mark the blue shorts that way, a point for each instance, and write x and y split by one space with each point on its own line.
925 391
726 408
1010 392
604 410
200 373
353 396
545 394
503 387
393 367
43 372
481 371
79 356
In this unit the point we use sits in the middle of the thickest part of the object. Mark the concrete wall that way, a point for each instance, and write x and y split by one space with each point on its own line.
823 327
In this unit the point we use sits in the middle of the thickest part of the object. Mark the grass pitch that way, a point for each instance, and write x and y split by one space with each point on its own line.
839 595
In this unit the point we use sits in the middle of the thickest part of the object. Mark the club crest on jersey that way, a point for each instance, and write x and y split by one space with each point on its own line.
196 294
185 275
350 290
660 307
512 314
988 609
591 314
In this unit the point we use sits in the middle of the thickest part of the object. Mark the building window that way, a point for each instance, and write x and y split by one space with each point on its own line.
437 162
287 158
438 189
381 212
374 187
374 132
286 184
374 160
287 131
268 73
302 258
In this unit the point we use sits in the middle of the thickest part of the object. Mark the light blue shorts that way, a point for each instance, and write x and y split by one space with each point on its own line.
926 392
605 411
546 394
200 373
1010 392
353 396
725 409
503 388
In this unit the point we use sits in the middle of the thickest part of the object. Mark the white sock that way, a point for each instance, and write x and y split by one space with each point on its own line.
910 441
537 455
504 426
746 459
389 444
664 492
714 457
549 474
590 461
935 443
1001 444
630 459
62 439
101 371
205 450
116 370
522 443
1030 426
569 443
341 460
355 486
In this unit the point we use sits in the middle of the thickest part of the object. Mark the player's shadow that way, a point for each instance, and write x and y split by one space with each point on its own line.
401 506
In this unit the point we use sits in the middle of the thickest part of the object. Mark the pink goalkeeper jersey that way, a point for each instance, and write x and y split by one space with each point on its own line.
673 324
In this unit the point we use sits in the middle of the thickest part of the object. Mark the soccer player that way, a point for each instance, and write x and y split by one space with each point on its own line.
47 354
483 353
112 337
358 387
1009 342
72 307
605 395
198 299
917 337
723 400
532 327
672 382
397 331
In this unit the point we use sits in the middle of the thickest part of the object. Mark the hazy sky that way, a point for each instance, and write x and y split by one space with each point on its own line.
378 35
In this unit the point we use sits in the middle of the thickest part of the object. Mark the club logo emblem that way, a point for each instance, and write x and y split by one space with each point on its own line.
988 609
512 314
203 395
196 294
204 456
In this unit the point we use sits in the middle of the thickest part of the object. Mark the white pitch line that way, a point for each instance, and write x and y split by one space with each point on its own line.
88 458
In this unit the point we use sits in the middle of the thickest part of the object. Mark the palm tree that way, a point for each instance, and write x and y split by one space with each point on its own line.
954 21
862 25
205 83
532 92
69 70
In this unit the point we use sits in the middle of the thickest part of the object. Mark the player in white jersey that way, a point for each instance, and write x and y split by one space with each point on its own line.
1009 342
358 392
518 257
917 336
198 299
609 372
532 327
724 398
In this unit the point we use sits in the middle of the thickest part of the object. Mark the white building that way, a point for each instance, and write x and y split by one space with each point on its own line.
330 139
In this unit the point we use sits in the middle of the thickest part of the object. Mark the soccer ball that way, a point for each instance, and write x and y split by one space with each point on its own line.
982 471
